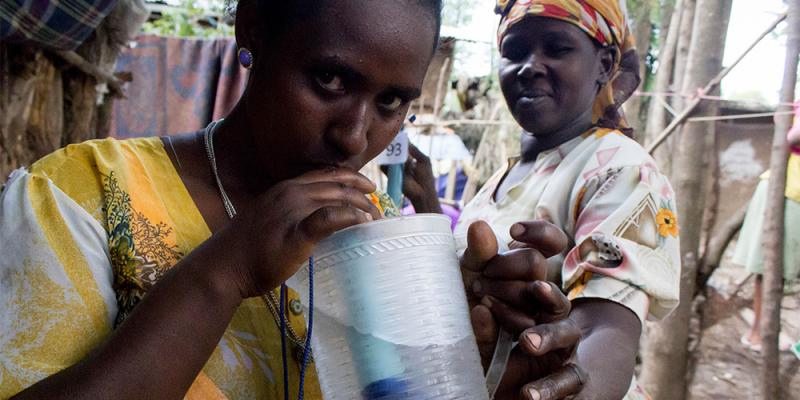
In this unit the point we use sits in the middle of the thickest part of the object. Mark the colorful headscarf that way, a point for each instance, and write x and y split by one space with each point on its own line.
603 20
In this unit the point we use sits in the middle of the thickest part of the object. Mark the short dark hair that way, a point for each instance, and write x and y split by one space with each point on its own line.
278 15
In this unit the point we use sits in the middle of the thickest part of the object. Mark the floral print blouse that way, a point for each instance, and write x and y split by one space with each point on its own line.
618 211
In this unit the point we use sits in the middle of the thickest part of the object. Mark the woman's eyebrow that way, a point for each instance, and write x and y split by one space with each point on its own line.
406 92
341 67
558 35
562 35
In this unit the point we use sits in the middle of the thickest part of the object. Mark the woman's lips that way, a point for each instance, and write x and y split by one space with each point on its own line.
532 100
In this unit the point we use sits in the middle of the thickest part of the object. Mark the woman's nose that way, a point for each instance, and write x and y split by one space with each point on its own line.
349 133
531 67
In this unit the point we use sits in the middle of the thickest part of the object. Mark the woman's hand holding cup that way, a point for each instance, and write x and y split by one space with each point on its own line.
278 233
510 291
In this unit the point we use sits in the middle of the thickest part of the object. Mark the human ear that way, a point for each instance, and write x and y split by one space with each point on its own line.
605 66
246 25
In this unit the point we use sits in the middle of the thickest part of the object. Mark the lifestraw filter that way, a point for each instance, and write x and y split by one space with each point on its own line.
391 319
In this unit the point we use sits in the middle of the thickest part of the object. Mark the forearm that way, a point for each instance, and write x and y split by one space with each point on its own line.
608 347
161 347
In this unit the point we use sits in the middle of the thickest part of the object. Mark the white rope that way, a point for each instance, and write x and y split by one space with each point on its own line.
738 116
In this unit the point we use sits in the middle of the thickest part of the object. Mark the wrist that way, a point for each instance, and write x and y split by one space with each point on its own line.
219 272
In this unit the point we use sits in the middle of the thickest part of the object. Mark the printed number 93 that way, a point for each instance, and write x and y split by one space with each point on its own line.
394 149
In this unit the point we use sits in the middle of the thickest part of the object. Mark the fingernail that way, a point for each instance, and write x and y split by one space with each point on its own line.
517 229
544 286
534 394
487 301
476 287
535 339
369 217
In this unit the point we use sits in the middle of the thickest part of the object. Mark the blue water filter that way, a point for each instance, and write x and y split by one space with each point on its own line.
394 185
377 362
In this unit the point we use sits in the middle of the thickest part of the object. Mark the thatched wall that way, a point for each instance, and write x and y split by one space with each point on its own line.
47 102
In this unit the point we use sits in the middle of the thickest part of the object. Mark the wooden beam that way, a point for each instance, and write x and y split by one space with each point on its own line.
114 84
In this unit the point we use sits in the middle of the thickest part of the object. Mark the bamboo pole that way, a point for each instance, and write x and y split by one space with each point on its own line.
684 115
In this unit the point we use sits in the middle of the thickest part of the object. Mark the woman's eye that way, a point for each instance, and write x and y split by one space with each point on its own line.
390 103
559 50
330 81
511 52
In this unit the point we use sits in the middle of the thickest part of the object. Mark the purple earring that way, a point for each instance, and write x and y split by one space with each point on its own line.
245 58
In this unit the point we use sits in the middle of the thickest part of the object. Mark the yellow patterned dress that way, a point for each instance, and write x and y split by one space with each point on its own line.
83 235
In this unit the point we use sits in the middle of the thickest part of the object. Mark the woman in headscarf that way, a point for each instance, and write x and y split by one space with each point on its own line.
566 68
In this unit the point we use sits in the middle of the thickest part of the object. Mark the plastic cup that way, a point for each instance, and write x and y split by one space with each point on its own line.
391 319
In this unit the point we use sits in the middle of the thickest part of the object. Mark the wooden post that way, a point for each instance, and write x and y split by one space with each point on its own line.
656 115
665 355
774 218
450 189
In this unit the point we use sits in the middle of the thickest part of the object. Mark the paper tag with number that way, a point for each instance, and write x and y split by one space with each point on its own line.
396 152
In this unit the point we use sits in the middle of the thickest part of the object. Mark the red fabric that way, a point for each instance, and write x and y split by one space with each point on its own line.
557 12
179 85
794 132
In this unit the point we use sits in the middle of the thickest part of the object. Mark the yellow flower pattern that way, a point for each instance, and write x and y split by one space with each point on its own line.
667 222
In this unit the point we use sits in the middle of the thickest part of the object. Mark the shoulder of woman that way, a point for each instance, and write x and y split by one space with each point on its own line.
79 169
87 154
612 149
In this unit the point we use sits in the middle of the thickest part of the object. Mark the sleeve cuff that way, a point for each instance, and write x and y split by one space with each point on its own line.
604 287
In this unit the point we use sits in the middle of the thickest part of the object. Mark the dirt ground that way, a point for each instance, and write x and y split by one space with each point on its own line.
723 368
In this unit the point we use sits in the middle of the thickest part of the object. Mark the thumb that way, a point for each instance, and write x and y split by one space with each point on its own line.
481 247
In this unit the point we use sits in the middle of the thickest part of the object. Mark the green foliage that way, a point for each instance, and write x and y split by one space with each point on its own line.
188 19
660 12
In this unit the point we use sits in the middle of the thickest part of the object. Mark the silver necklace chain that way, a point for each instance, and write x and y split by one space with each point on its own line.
212 159
269 299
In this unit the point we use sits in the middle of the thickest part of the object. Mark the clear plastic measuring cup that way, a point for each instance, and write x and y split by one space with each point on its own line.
391 319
